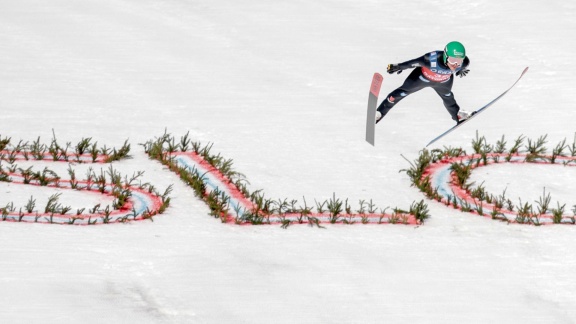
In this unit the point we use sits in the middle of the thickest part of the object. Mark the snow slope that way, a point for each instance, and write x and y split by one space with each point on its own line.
281 88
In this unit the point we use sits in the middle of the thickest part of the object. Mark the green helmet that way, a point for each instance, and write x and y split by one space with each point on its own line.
454 49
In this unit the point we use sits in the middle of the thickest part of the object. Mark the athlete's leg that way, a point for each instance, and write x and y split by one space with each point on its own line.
444 90
414 82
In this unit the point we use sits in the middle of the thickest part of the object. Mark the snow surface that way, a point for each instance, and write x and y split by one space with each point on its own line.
281 88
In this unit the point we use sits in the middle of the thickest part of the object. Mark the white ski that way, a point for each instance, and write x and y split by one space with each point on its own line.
475 113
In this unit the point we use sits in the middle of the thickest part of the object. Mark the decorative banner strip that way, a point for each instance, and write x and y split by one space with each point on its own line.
12 156
139 206
243 211
130 202
449 189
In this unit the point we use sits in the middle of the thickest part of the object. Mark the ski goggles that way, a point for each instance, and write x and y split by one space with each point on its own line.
454 61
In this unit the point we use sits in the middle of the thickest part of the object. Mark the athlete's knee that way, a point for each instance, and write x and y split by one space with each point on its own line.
391 100
396 96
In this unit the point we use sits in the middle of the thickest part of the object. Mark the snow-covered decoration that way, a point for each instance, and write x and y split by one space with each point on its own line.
226 193
118 199
444 175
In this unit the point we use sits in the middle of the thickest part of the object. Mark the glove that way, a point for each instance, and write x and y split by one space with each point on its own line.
393 68
462 73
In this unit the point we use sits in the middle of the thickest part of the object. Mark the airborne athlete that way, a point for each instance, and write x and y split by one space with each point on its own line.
435 70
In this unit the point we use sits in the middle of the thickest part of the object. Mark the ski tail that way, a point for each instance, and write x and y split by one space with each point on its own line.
372 102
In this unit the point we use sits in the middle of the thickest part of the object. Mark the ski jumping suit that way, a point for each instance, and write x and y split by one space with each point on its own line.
430 71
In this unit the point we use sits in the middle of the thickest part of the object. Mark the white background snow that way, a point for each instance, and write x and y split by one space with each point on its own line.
281 88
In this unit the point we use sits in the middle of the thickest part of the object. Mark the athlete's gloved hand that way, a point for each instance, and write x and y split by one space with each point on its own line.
393 68
462 73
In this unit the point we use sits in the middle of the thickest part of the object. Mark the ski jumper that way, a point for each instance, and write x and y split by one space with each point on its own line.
430 71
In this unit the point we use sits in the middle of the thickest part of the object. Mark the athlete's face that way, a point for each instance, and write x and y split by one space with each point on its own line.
454 63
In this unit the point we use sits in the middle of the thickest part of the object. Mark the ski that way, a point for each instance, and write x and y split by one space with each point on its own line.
372 102
475 113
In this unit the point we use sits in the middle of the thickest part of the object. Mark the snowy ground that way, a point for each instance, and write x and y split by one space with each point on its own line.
281 87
